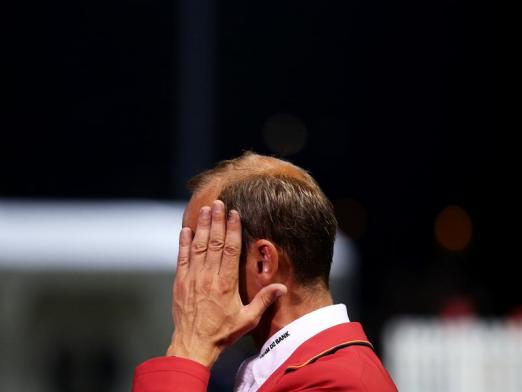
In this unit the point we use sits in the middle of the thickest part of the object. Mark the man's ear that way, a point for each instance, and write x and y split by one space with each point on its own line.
267 261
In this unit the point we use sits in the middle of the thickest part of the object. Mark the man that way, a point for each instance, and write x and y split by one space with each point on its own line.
267 242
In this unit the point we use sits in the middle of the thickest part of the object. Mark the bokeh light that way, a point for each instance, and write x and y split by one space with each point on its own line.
285 134
453 228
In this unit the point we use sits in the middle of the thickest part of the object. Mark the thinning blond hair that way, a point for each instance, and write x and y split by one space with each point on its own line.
280 202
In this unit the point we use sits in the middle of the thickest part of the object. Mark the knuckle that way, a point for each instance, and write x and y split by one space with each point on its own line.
179 293
183 260
231 250
199 247
204 286
265 301
225 287
216 244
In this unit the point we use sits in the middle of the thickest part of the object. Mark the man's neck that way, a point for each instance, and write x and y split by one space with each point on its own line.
296 303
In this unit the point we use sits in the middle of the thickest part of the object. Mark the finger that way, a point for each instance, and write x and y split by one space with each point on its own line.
263 299
199 246
216 240
185 239
183 263
232 248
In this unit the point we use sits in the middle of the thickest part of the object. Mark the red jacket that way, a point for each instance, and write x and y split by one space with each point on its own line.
339 358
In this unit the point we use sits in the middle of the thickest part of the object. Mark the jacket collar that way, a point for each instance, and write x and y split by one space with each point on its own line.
327 342
324 343
286 343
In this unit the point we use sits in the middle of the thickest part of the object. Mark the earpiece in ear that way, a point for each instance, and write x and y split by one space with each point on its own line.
262 266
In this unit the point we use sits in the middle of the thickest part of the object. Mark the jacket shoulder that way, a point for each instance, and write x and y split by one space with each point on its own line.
353 369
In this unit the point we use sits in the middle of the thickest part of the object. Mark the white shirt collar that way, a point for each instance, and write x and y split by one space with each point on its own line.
277 349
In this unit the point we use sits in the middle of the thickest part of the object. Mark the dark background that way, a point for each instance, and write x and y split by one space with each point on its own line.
128 99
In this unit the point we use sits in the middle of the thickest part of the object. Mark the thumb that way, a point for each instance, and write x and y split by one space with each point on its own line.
264 298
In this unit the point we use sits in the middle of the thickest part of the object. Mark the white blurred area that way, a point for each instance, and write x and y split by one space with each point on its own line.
468 355
89 235
57 235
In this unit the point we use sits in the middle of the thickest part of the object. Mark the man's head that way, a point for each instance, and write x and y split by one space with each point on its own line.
288 223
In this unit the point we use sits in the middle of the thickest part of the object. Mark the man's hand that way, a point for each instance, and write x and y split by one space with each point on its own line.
206 308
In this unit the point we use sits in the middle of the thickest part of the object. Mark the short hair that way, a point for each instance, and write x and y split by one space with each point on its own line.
280 202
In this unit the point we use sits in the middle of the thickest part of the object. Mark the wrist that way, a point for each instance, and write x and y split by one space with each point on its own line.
202 353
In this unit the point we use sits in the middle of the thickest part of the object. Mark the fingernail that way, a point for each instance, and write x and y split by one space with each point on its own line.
232 216
218 206
185 234
278 293
205 212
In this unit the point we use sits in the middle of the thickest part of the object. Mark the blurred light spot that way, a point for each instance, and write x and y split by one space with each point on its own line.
458 308
515 315
453 228
285 134
352 217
